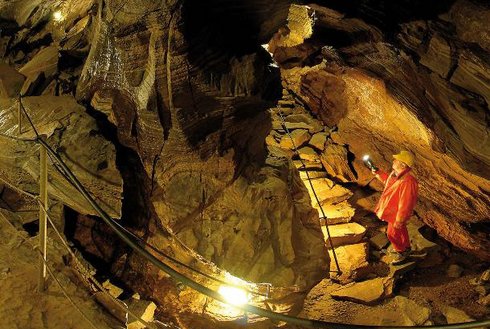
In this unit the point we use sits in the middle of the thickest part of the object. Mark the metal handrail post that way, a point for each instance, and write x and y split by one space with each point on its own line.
19 117
43 197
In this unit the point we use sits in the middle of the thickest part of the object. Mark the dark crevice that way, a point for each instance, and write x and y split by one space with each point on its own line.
32 228
101 236
135 211
27 46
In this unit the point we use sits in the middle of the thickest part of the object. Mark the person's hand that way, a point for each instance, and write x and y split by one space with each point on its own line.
374 171
398 225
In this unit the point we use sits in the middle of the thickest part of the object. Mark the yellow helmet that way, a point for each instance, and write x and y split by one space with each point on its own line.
406 157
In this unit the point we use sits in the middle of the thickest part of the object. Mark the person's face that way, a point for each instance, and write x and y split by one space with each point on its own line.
398 166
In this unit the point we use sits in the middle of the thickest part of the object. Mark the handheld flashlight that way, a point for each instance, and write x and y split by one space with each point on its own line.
368 163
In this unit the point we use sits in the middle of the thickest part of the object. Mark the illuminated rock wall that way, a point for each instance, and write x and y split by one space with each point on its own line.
402 82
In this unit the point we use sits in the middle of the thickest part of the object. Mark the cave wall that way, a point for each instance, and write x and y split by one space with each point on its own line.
185 106
407 77
178 93
185 86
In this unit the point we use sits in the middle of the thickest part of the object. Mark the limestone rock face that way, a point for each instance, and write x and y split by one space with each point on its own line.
183 91
472 73
471 21
45 62
334 159
75 135
438 56
11 81
434 103
324 92
249 224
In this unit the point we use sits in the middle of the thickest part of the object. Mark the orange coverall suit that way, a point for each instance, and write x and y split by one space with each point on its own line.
396 204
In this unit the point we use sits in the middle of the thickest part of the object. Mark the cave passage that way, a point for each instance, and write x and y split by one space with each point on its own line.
221 149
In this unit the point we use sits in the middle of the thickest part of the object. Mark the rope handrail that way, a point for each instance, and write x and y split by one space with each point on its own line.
214 294
303 165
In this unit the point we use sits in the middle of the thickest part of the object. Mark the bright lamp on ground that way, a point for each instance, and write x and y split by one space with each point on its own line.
232 295
57 16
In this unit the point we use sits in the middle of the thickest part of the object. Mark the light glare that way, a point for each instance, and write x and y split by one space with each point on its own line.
235 296
366 157
57 16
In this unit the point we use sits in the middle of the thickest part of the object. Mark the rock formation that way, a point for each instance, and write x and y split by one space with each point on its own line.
228 135
388 85
181 93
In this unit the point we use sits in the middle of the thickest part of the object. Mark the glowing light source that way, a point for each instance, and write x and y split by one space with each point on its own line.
369 163
233 295
58 16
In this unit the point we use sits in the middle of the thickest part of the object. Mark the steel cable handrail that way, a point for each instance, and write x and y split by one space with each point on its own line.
118 302
79 263
159 252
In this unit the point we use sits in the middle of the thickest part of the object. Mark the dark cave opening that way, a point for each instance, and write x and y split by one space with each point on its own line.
136 187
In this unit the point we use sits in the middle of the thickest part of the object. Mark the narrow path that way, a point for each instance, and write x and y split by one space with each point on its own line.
359 240
365 293
310 137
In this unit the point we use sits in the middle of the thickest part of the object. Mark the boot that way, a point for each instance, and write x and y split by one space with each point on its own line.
400 257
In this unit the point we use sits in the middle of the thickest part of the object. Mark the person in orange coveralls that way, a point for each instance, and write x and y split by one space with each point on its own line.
396 203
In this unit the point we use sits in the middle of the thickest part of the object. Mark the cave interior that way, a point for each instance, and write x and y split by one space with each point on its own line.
196 149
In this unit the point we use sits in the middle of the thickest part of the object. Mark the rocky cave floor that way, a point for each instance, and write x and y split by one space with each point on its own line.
440 291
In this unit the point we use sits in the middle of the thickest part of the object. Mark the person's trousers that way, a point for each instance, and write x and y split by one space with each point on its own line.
398 237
